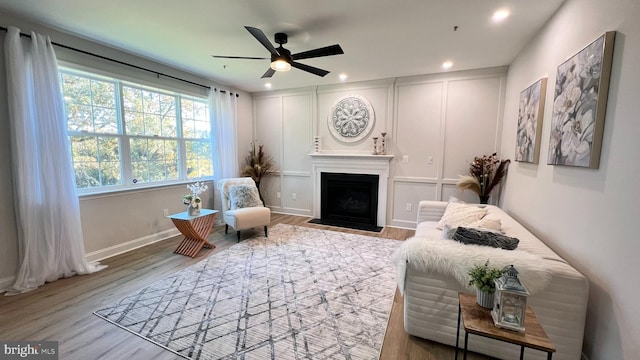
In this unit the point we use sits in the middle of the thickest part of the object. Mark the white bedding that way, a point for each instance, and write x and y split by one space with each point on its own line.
449 257
431 295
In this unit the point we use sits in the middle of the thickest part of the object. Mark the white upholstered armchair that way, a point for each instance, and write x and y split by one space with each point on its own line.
241 205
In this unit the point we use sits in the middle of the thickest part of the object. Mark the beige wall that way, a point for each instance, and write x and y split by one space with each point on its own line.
8 230
587 216
114 222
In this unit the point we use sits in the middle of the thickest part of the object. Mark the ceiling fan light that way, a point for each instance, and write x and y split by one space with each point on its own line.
280 65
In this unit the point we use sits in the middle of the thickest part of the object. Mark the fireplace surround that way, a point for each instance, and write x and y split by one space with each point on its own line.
352 163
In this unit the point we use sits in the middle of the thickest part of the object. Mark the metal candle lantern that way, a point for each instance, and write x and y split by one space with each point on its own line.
510 302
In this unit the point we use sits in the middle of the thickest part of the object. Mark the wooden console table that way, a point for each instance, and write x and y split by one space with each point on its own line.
195 229
477 320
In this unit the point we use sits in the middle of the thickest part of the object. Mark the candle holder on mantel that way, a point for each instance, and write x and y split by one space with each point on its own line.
375 145
316 144
384 150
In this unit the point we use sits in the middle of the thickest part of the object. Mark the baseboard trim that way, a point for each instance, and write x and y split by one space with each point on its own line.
403 224
402 227
131 245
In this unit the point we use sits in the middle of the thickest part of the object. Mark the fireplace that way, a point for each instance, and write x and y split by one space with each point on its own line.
349 200
352 164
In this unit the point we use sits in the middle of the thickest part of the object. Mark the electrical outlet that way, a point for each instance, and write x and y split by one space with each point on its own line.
165 212
278 194
405 159
293 196
430 160
408 207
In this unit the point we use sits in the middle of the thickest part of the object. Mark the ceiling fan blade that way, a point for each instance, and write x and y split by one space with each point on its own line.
324 51
239 57
311 69
268 74
262 38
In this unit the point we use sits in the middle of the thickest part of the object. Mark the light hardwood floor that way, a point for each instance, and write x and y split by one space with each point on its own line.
62 310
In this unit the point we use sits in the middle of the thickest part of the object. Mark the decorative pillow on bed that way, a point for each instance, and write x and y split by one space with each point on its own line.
447 232
485 238
243 196
486 223
460 214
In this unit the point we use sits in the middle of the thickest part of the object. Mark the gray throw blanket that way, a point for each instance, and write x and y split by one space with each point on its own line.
486 238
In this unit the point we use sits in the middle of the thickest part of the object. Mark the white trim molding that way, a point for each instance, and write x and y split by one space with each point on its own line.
352 163
131 245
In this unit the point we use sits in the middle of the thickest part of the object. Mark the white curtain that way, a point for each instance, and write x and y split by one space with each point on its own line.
224 145
46 203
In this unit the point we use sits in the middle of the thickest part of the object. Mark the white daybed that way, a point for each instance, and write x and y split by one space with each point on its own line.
431 272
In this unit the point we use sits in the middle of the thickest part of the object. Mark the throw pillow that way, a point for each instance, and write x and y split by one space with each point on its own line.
458 214
485 238
243 196
447 232
487 223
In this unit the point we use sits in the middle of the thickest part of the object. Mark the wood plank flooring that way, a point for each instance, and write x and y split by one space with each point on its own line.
62 310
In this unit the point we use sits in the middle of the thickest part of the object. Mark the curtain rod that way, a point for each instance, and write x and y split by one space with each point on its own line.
225 91
158 74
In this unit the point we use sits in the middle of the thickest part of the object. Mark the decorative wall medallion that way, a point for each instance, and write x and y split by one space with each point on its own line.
351 118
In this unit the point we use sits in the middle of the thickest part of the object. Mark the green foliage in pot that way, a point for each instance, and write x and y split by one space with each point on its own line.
482 276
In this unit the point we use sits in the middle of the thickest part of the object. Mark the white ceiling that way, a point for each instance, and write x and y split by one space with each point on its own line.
380 38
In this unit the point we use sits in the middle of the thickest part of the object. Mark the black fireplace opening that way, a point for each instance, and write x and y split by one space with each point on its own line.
349 200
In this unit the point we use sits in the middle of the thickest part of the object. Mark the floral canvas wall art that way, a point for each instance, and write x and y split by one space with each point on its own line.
530 116
580 103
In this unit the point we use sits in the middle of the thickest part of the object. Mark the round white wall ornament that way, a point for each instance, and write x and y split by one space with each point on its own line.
351 118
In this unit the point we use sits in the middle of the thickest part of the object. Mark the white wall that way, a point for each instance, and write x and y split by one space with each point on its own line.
283 124
441 123
587 216
111 223
449 117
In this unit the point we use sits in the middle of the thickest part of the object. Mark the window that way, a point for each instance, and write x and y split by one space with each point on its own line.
123 134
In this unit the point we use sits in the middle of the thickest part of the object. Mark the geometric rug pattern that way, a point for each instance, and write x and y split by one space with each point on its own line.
301 293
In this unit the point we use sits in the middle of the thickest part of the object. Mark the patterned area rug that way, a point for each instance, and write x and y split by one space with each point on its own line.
301 293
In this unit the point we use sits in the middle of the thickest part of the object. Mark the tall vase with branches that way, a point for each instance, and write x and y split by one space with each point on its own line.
485 173
257 165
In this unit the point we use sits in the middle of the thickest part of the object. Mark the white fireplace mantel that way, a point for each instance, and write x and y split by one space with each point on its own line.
352 163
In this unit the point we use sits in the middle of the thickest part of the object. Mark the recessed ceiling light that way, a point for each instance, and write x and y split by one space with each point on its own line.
500 15
343 77
447 65
267 85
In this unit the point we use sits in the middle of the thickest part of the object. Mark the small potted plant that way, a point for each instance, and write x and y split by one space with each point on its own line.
193 201
482 276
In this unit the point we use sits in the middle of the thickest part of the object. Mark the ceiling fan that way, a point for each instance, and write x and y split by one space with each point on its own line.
282 59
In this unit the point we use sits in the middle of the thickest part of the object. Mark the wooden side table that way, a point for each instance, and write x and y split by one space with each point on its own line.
195 229
477 320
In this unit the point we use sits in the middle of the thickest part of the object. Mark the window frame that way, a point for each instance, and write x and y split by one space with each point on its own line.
124 155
